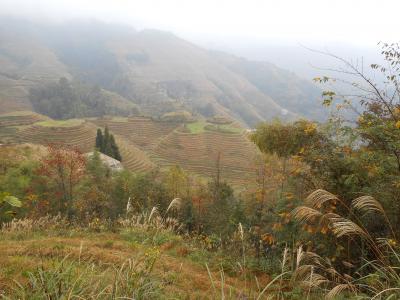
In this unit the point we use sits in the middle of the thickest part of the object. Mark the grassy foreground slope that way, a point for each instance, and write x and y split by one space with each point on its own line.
42 260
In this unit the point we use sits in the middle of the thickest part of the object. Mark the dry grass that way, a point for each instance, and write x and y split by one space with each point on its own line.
31 246
32 253
377 278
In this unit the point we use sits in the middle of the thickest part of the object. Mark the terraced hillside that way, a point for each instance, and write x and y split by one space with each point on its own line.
11 123
146 143
21 128
201 152
141 131
19 118
194 146
72 133
133 158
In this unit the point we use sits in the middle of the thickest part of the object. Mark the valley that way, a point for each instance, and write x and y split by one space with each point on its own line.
137 165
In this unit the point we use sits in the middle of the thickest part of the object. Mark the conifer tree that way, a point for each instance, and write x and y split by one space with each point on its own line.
114 149
106 144
99 140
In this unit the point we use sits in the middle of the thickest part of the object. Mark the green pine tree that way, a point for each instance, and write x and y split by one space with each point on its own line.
107 143
114 149
99 140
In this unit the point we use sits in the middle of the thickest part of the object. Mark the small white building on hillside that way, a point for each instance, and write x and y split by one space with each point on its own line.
112 163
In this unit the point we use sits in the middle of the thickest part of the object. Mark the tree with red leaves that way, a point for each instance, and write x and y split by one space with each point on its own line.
60 172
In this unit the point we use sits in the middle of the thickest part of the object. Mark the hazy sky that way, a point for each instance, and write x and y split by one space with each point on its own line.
360 22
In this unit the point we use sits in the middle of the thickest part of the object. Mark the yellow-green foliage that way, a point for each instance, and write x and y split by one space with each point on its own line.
61 123
196 127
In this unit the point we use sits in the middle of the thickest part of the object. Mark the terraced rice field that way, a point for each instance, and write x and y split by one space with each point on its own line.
82 136
60 123
146 144
20 118
76 134
143 132
202 126
12 123
194 146
198 153
133 158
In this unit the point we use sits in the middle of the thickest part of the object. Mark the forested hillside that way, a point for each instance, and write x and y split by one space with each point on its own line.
65 100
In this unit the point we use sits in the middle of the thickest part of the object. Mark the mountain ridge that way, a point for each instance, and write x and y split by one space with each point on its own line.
155 70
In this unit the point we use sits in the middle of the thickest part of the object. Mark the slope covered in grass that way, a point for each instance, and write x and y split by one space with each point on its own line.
39 260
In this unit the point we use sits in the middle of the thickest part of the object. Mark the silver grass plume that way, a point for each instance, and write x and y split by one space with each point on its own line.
175 204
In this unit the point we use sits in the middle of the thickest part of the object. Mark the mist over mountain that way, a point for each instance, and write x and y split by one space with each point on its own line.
147 72
302 58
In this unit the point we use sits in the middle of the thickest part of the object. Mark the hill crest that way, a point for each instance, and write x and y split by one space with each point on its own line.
155 71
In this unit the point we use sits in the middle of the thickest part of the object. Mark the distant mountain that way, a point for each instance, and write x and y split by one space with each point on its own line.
286 88
155 71
295 55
